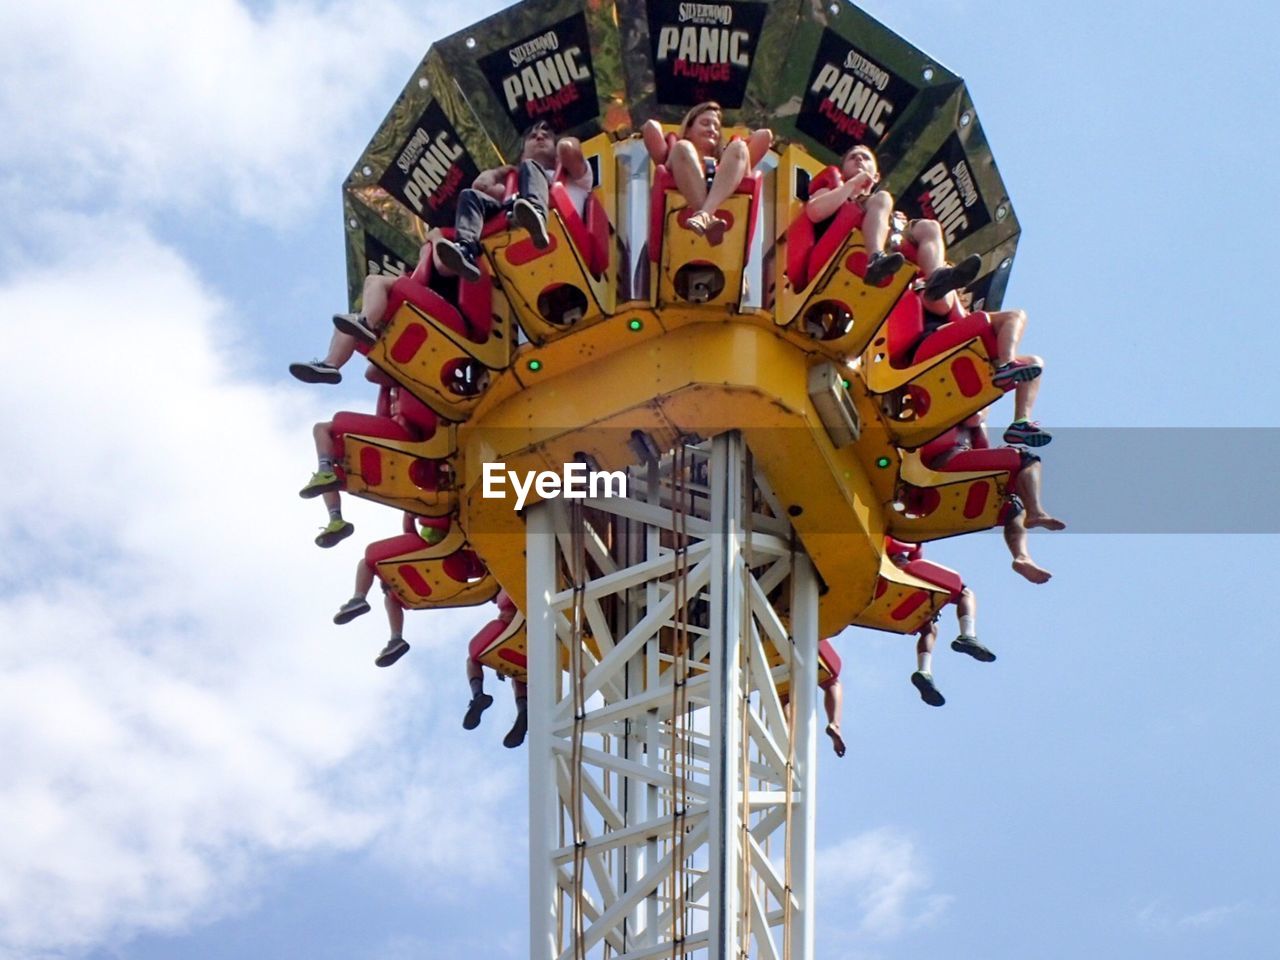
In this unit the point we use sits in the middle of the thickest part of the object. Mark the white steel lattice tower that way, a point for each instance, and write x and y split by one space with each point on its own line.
671 782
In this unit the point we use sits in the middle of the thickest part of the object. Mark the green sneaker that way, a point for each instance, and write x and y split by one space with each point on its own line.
337 531
322 481
928 692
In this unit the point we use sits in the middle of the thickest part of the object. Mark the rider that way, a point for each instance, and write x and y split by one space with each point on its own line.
706 169
400 416
481 701
541 156
902 554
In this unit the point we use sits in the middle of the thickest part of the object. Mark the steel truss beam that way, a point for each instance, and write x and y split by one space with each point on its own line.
671 794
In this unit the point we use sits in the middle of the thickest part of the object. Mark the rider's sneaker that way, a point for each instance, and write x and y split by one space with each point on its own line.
881 266
460 259
317 371
478 705
971 646
355 325
1028 433
393 651
355 607
337 531
945 279
527 214
928 692
322 481
515 736
1015 372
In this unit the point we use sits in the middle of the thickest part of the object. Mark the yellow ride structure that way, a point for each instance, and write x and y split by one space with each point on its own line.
755 372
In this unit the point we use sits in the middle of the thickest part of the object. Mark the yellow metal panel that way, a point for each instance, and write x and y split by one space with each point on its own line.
416 351
704 379
948 518
402 573
529 276
935 379
839 292
512 641
396 487
685 255
894 588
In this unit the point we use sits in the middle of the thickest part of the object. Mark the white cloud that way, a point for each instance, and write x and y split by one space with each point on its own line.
1156 917
884 875
198 105
175 706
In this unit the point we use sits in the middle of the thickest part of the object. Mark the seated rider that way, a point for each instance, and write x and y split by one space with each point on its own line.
541 158
706 170
833 698
365 324
966 447
855 182
481 701
433 531
390 423
966 603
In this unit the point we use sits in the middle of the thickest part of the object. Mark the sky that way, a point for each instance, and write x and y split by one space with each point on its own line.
197 763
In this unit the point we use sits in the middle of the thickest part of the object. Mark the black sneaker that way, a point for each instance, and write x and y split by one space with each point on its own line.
355 607
527 214
1028 433
317 371
393 651
973 648
478 705
515 736
928 692
460 259
945 279
355 325
882 266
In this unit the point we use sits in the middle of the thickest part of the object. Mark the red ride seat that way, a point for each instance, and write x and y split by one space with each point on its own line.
942 577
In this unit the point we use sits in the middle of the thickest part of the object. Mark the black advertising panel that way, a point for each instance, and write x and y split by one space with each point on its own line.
430 168
547 76
846 79
851 97
376 246
947 190
703 51
379 258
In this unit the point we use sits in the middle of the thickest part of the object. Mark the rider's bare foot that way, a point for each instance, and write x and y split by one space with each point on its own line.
1027 568
698 222
837 741
1043 520
716 230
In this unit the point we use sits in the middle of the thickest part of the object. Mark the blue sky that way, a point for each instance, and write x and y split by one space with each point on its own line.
199 765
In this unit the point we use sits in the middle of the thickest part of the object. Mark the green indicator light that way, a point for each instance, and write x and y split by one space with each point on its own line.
535 365
882 462
844 383
636 324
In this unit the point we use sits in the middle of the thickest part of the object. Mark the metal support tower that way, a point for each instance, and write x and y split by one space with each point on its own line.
671 786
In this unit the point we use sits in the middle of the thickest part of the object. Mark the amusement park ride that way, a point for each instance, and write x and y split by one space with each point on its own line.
765 405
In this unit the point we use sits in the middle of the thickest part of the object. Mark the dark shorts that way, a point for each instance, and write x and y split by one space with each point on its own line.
1013 507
